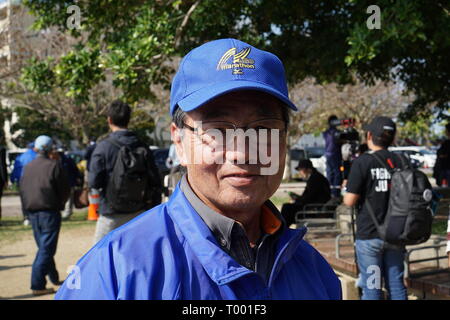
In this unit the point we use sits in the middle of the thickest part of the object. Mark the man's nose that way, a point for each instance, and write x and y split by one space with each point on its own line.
241 150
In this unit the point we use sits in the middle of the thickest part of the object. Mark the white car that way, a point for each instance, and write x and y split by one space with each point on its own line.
425 156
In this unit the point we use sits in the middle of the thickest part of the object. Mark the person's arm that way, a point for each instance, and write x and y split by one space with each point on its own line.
97 169
351 199
355 183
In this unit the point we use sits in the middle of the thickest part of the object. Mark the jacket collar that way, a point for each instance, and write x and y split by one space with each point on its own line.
220 267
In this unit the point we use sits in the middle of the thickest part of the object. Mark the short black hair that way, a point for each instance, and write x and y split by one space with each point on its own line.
384 140
447 127
119 112
331 118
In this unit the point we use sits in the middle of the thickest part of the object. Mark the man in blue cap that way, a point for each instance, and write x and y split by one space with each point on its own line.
44 188
218 236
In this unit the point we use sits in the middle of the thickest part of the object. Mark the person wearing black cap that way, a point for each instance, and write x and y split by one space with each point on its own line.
369 181
317 190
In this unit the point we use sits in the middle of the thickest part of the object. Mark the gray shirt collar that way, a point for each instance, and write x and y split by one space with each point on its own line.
219 225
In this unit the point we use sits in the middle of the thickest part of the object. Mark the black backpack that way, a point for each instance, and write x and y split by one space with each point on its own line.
409 216
134 183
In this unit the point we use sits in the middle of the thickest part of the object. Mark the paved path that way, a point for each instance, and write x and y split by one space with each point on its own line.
17 258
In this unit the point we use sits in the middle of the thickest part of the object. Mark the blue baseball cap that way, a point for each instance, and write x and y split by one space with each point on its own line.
43 143
223 66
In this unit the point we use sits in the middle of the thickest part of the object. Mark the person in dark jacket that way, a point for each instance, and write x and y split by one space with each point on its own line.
317 190
102 163
44 188
442 167
3 176
334 156
19 163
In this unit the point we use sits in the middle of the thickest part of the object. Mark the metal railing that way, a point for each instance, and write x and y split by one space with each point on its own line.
408 262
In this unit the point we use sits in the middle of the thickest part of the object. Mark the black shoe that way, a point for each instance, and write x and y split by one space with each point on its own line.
42 292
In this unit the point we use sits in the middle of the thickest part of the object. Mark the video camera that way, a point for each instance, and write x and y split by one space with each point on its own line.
348 138
349 134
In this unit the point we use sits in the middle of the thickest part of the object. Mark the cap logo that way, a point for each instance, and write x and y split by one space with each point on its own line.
388 128
239 61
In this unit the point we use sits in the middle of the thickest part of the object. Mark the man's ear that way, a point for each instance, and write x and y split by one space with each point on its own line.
177 139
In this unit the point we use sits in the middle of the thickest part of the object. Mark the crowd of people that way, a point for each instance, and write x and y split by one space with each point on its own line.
218 236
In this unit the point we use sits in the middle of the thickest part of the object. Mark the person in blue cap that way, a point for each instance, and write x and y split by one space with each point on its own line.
44 189
19 163
218 236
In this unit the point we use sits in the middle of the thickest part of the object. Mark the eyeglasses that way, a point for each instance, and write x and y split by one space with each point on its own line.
221 133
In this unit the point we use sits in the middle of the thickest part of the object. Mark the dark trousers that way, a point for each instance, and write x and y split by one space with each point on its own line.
334 174
46 226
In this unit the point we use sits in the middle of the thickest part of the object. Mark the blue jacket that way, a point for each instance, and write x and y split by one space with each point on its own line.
20 163
169 253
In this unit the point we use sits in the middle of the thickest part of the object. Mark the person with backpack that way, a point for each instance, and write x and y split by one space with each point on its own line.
123 169
392 202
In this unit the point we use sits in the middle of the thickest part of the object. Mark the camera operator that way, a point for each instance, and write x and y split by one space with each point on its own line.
333 156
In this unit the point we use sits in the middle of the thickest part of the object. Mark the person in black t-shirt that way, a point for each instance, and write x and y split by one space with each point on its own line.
368 181
317 190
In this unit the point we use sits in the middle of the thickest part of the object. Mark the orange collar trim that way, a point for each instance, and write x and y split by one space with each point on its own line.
269 221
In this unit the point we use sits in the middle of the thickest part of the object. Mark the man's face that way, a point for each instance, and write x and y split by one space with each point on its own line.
304 173
233 184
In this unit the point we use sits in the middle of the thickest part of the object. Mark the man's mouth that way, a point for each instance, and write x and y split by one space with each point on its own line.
240 179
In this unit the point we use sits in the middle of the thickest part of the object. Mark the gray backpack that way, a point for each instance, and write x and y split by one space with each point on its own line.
409 216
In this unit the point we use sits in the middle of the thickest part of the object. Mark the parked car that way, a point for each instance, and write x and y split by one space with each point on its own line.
425 156
415 163
317 157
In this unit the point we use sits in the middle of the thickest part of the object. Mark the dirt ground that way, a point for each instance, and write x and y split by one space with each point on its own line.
17 258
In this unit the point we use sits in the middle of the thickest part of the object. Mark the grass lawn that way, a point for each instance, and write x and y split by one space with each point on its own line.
12 228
